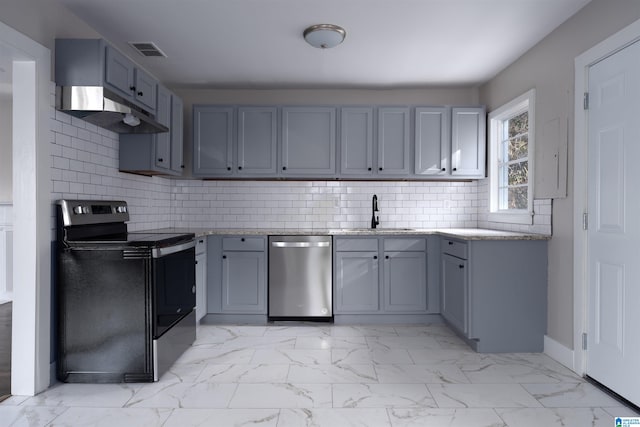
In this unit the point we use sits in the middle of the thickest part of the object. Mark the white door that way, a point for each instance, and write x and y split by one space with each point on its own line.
613 345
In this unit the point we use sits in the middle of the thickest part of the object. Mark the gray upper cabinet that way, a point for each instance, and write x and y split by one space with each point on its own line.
160 153
308 145
468 142
128 80
93 62
212 140
367 142
119 72
356 141
177 135
393 141
432 141
257 141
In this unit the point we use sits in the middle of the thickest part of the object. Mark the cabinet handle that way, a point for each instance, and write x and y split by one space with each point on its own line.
369 169
182 166
375 257
196 262
443 169
380 168
239 167
242 239
284 168
132 88
201 241
140 93
161 160
386 257
228 168
224 257
461 266
193 289
455 169
450 243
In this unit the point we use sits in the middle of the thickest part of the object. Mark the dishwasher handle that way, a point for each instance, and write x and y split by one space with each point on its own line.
300 244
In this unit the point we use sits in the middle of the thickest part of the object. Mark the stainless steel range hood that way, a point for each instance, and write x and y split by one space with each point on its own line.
105 109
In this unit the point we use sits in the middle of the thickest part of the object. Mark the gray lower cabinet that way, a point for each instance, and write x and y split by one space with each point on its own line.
158 153
454 291
494 293
201 278
237 275
405 282
365 285
356 275
308 145
405 274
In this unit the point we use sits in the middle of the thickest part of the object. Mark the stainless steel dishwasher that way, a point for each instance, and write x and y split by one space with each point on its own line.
300 277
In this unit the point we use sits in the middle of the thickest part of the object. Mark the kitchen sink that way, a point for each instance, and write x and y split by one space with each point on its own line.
372 230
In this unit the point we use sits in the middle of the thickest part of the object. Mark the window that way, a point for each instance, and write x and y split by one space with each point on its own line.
511 156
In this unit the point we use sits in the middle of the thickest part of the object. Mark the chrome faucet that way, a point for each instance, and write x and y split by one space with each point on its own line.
374 208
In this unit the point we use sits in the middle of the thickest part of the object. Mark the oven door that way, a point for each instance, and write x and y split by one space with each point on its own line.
174 285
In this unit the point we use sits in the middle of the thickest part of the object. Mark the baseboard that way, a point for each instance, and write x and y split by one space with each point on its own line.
558 352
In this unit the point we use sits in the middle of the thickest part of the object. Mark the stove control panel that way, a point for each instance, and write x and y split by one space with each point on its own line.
81 212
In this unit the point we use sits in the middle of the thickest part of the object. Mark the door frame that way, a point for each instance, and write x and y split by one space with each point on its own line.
31 318
602 50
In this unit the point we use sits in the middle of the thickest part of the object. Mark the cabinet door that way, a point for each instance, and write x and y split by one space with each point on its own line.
357 280
405 282
119 73
201 285
212 140
432 141
162 156
243 282
454 292
393 141
356 141
468 142
176 129
146 88
309 141
257 140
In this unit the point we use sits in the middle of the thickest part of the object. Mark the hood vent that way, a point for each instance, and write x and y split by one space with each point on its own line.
147 49
105 109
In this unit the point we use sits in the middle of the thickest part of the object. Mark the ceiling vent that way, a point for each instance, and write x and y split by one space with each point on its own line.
147 49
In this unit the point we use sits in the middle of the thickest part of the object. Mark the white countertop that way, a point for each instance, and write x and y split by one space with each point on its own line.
456 233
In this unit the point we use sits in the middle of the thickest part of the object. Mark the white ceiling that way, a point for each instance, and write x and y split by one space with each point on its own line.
389 43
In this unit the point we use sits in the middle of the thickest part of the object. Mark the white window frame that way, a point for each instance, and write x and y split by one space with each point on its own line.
525 102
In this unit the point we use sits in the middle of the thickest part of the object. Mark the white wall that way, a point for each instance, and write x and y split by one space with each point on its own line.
6 142
548 67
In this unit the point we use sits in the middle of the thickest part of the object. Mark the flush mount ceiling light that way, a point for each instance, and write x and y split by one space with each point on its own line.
324 36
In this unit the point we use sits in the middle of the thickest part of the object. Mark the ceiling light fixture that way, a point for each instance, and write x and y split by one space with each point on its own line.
324 36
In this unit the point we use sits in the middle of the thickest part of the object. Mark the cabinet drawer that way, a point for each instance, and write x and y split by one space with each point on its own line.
201 245
356 245
399 245
454 247
243 244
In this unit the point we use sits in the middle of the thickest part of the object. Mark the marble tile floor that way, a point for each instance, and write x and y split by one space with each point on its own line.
326 375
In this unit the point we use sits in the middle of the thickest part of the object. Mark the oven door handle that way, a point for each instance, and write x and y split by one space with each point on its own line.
160 252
